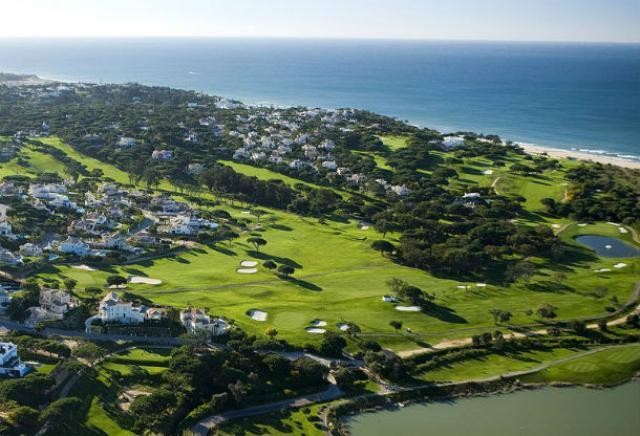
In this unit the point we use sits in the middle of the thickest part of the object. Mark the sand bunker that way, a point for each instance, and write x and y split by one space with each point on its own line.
145 280
620 265
258 315
344 327
315 331
118 287
488 172
481 285
582 225
83 267
622 230
318 323
409 308
462 287
248 263
603 270
555 226
247 270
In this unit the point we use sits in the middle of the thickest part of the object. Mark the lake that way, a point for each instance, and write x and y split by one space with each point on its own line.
608 247
549 412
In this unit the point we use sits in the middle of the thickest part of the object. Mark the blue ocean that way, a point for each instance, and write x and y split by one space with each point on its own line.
583 96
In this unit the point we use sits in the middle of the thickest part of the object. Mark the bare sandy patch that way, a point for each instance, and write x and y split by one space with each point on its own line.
247 270
83 267
409 308
248 263
145 280
258 315
315 331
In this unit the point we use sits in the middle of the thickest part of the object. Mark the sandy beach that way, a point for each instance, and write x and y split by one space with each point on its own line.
580 155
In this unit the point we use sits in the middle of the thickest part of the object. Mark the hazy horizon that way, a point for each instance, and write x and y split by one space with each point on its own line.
589 21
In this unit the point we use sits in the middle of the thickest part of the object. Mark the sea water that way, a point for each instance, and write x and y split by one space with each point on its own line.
583 96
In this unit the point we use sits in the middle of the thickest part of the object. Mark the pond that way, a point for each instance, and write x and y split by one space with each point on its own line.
550 411
608 247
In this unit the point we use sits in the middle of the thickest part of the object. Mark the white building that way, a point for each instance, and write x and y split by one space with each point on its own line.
30 249
453 141
162 155
10 364
74 246
126 142
47 190
195 320
113 309
7 258
55 302
330 164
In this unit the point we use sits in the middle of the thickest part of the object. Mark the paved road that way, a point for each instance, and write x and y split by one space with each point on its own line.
203 427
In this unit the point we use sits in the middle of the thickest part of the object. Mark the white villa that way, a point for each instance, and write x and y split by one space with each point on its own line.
10 364
74 246
113 309
187 225
30 249
195 320
8 258
162 155
55 302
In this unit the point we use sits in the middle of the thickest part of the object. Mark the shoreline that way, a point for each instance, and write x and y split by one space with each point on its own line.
560 153
604 157
338 416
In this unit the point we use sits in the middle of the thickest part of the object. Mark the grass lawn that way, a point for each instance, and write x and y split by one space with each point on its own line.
394 142
340 278
299 421
37 163
99 389
612 365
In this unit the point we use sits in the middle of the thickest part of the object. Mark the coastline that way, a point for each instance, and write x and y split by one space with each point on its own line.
337 417
603 157
580 155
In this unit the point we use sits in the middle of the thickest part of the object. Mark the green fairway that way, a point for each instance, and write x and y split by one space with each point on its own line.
493 365
100 388
298 421
611 365
394 142
340 278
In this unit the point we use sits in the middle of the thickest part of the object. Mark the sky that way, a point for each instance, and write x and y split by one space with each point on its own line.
511 20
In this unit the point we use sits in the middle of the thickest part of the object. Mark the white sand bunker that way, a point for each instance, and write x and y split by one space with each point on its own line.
83 267
145 280
315 331
488 172
555 226
603 270
258 315
118 287
247 270
622 230
620 265
462 286
409 308
582 225
319 323
248 263
343 326
481 285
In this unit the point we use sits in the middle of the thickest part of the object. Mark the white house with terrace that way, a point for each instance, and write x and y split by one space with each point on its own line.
10 364
195 321
113 309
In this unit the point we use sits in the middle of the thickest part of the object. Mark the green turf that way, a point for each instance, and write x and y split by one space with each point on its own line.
394 142
99 389
298 421
494 365
339 278
612 365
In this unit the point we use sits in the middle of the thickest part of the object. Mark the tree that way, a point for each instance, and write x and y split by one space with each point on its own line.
70 284
239 391
602 325
286 270
633 320
332 344
520 270
59 414
578 326
272 333
383 246
270 264
116 280
397 325
558 277
25 419
257 242
500 315
547 311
